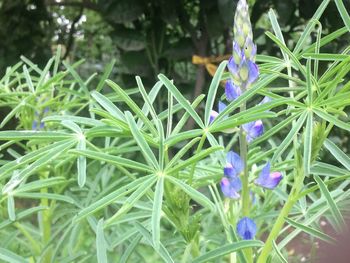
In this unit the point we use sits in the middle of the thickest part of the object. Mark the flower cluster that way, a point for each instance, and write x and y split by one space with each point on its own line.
243 73
231 182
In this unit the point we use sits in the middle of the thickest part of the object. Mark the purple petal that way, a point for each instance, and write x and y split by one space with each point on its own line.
230 188
232 91
249 49
42 125
232 66
237 53
253 71
268 180
213 115
246 228
253 129
229 171
221 106
235 160
34 125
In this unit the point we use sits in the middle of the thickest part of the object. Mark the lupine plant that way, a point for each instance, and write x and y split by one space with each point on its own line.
93 172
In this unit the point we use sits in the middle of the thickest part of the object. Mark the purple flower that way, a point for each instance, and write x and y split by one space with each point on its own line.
213 115
253 72
253 129
237 53
233 67
245 72
246 228
249 49
234 165
232 91
34 125
221 106
231 186
268 180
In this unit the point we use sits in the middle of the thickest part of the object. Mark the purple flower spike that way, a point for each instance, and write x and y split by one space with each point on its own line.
253 129
213 115
246 228
232 91
253 72
236 162
230 187
268 180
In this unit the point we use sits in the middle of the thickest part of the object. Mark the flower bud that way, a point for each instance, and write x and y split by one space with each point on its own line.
268 180
246 228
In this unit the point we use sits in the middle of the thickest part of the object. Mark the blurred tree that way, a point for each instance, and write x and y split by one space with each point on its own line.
26 29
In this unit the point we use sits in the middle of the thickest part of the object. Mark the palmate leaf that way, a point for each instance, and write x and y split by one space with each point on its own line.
101 244
343 13
156 211
9 256
311 231
112 159
337 153
181 99
113 196
133 106
227 249
108 105
132 199
332 204
162 251
212 91
278 252
288 139
142 143
307 31
193 193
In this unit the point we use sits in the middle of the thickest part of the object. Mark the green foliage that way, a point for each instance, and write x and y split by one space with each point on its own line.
112 175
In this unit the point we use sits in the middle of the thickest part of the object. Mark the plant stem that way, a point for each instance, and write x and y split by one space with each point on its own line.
46 219
293 197
245 179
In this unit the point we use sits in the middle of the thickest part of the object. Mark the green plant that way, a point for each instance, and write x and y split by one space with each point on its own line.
109 177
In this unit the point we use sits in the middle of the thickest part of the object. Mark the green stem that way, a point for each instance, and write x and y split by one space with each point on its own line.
46 219
245 180
276 229
35 246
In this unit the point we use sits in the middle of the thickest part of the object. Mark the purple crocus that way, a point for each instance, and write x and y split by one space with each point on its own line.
231 186
267 179
253 129
246 228
232 91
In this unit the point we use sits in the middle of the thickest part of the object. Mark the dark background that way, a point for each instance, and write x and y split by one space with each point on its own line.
146 37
